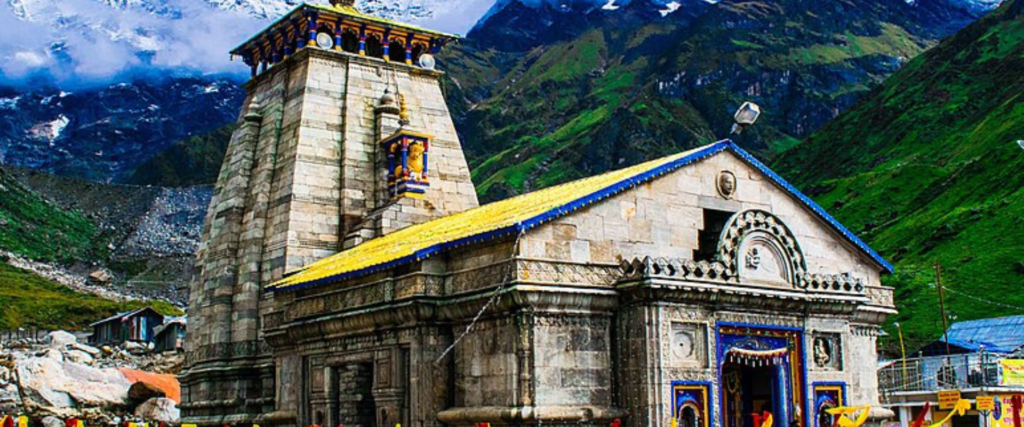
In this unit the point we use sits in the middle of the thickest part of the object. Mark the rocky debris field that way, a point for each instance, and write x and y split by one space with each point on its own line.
61 275
150 235
172 224
136 220
59 377
142 288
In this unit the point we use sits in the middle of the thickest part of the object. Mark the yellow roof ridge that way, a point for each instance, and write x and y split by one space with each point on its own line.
495 219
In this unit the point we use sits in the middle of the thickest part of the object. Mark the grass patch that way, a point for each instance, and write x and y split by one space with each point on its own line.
33 227
31 301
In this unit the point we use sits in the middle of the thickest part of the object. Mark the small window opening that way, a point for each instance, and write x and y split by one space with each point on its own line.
707 236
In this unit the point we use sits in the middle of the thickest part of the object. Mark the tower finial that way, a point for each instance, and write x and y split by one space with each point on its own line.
403 112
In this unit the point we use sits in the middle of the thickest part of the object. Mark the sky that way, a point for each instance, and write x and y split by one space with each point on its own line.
81 43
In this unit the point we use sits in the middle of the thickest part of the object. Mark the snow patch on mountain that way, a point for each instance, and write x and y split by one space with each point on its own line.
669 8
49 131
610 5
9 103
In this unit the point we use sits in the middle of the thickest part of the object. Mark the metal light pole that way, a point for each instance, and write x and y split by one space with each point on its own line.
903 352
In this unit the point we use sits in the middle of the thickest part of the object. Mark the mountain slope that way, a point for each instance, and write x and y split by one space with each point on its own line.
928 169
104 134
31 301
542 96
192 161
33 227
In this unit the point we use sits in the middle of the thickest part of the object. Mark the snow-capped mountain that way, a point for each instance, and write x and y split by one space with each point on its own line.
95 42
105 133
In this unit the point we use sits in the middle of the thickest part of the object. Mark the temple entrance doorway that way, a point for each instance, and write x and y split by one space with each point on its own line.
761 372
750 391
355 403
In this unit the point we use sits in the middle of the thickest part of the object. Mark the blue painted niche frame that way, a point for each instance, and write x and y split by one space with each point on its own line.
837 387
702 387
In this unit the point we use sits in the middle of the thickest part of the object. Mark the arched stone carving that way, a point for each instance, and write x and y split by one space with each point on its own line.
757 245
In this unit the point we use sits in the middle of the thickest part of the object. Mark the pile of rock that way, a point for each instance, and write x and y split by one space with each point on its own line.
64 378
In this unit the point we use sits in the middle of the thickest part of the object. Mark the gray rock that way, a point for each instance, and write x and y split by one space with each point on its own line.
52 421
10 399
60 339
36 377
78 356
51 353
134 347
93 351
160 409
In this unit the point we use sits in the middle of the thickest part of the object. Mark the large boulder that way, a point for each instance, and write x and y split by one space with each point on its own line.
160 409
60 339
51 385
37 377
92 387
142 391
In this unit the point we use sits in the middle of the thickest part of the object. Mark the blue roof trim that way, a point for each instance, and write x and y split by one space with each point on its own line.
812 206
597 196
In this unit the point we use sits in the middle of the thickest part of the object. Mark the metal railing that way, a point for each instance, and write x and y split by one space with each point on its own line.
940 373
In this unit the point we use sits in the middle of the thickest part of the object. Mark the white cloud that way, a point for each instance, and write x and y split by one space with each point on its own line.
85 43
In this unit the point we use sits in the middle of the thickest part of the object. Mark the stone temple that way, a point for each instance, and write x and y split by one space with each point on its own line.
348 275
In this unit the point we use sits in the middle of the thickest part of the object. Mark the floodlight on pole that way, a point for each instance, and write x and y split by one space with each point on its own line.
745 116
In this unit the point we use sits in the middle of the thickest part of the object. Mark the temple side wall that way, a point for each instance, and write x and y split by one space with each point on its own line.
487 365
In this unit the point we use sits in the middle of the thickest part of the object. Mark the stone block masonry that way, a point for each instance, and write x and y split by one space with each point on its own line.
300 174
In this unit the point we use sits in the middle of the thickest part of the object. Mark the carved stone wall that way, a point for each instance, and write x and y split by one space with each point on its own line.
572 360
487 362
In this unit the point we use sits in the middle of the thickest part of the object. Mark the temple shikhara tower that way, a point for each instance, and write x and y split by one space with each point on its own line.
348 275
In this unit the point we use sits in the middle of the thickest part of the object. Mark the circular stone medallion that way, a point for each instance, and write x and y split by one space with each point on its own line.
726 184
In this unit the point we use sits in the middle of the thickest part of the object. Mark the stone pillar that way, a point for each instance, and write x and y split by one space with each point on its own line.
637 362
429 375
388 395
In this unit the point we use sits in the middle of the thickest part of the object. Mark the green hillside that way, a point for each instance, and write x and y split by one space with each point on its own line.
192 161
630 88
33 227
928 170
31 301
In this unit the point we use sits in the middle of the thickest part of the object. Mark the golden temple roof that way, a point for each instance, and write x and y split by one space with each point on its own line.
518 214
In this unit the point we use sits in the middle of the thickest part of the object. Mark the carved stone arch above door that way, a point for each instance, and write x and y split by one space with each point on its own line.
757 246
